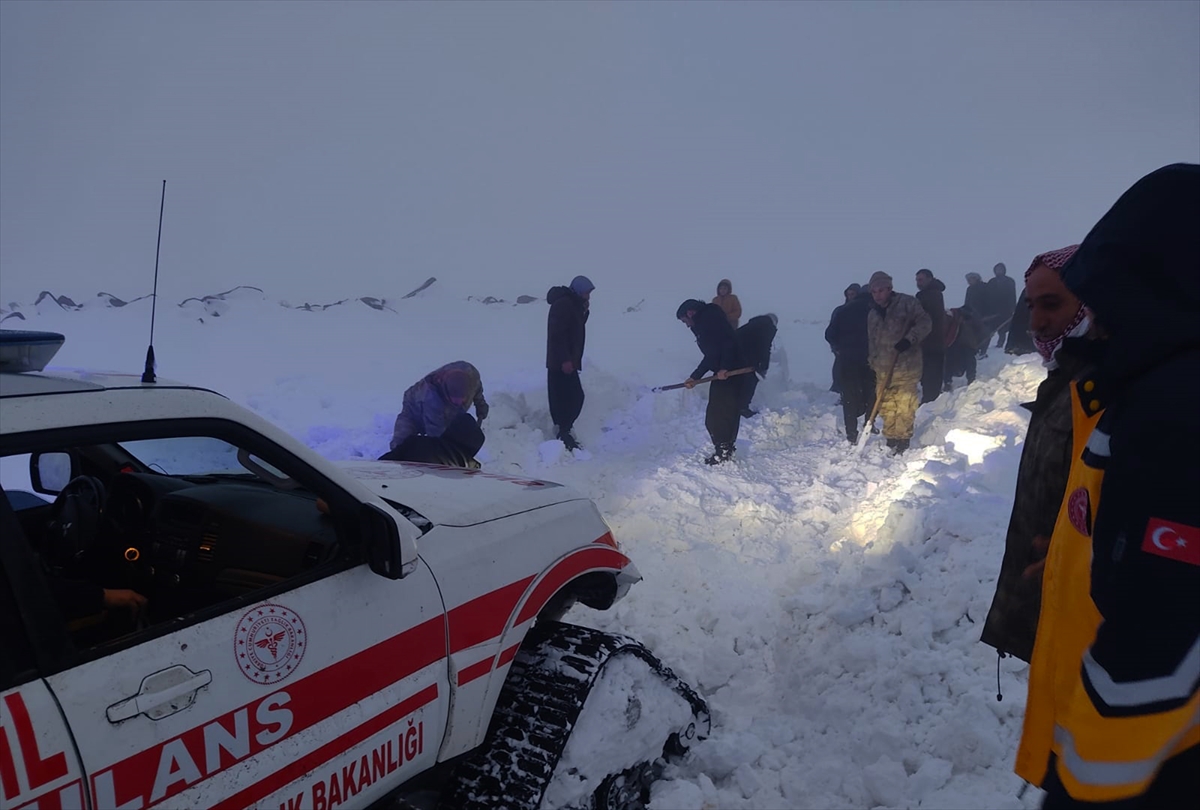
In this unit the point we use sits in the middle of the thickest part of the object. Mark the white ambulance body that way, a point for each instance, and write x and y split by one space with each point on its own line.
316 634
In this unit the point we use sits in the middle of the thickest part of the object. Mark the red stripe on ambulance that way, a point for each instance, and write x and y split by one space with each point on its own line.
598 557
346 782
158 773
484 617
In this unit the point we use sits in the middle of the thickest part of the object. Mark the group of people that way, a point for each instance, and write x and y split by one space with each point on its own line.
906 350
1099 587
435 425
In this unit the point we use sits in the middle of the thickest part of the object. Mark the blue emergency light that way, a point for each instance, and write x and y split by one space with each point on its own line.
28 351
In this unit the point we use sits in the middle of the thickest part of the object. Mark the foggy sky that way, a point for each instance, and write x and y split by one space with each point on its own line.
322 150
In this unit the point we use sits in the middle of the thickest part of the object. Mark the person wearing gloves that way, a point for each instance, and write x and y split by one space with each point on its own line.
718 343
896 325
433 402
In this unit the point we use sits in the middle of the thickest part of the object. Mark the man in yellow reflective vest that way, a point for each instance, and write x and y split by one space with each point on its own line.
1113 715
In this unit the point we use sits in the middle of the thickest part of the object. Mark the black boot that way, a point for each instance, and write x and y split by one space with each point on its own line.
898 446
724 452
568 440
747 413
852 436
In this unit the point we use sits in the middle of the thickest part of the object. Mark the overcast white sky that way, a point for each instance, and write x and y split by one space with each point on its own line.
355 148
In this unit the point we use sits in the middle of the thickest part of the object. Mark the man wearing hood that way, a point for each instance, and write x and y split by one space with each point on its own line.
1055 314
728 302
850 293
1113 711
896 325
718 343
933 347
432 403
566 330
847 337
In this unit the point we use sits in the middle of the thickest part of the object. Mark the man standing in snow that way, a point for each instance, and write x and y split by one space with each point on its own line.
847 336
433 402
1003 292
1055 314
895 325
718 343
850 293
728 302
566 330
933 347
1113 712
979 302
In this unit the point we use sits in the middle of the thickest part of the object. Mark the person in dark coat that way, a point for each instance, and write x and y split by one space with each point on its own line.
933 347
979 301
1020 339
566 330
1003 293
849 293
718 344
1055 315
1114 694
456 446
847 336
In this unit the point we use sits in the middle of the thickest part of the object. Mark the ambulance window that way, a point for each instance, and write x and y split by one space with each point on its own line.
174 522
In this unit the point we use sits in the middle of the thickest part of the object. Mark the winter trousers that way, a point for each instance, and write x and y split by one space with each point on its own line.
858 394
723 417
837 375
566 398
899 409
932 368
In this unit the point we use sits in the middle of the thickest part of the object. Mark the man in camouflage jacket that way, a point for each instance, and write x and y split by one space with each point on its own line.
896 326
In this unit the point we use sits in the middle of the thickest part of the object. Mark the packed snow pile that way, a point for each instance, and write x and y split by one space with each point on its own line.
827 604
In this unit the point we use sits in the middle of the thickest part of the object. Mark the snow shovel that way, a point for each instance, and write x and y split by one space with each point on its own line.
701 381
879 389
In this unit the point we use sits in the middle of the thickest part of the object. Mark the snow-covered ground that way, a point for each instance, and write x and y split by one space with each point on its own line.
827 604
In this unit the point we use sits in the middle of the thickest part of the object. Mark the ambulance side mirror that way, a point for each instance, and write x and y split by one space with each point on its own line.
382 540
50 472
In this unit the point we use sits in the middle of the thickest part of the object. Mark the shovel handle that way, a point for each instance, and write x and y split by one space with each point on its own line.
701 381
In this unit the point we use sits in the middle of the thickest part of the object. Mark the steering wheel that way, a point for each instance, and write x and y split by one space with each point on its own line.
74 523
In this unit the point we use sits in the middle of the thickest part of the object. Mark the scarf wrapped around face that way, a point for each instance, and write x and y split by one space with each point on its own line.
1056 260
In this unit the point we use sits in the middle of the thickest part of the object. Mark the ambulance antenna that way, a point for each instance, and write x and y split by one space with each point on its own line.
148 374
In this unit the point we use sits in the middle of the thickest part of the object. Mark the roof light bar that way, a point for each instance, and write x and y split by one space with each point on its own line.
22 350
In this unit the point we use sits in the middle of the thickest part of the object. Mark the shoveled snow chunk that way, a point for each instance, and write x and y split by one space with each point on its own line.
885 781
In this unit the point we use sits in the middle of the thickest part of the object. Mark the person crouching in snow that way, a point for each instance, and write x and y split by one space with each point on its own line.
728 302
718 343
896 325
430 405
455 447
1055 314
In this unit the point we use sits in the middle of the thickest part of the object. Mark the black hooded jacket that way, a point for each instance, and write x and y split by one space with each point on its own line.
1138 270
847 330
934 302
716 339
565 328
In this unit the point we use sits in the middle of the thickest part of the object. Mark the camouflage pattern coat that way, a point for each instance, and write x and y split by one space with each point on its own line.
902 318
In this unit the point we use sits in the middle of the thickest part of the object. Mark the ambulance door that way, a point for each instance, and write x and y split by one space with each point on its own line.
39 767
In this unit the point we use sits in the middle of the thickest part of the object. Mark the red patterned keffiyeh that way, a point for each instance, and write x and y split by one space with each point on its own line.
1056 260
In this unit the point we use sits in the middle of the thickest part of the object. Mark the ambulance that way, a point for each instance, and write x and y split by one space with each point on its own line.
198 611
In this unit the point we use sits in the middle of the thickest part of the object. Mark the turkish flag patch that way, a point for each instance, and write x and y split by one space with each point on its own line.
1173 541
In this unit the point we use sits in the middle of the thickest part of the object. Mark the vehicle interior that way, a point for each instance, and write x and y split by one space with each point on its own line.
189 523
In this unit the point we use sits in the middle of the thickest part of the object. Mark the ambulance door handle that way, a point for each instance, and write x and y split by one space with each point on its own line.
163 693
